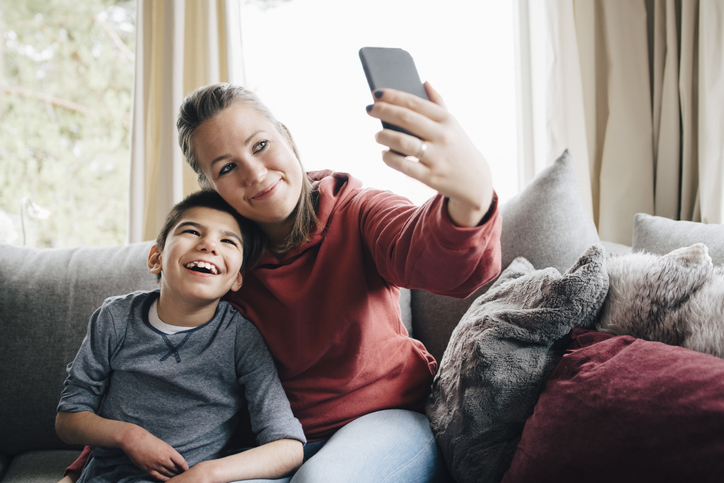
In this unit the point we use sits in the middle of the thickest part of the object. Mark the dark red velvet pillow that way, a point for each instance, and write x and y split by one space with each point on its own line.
619 409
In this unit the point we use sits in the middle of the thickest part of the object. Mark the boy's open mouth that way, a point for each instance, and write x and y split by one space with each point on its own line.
203 267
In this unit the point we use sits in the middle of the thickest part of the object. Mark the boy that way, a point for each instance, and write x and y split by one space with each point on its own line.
160 376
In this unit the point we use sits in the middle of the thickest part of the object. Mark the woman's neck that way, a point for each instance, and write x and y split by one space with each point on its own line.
278 236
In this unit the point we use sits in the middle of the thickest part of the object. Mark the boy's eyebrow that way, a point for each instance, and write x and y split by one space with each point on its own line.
226 233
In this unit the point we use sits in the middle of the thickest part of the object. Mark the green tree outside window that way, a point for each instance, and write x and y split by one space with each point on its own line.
65 101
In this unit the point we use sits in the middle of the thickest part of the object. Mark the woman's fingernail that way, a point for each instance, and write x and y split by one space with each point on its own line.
369 108
378 94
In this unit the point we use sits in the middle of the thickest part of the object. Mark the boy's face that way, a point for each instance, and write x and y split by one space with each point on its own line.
202 256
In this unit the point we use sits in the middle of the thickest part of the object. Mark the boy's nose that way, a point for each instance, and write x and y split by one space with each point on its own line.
207 244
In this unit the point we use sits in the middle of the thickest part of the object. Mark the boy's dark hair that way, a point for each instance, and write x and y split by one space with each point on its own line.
252 237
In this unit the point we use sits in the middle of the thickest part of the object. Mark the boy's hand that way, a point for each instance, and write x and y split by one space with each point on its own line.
146 451
153 455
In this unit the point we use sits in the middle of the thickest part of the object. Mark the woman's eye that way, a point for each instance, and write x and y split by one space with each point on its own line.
226 168
260 146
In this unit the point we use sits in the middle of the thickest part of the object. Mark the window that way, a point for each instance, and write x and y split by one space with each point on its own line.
67 77
301 57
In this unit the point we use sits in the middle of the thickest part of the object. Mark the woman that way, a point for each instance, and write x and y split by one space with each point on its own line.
325 295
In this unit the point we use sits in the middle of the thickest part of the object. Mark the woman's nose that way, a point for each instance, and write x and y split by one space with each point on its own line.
254 171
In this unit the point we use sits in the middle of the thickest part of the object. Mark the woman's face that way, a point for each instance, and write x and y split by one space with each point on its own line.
252 166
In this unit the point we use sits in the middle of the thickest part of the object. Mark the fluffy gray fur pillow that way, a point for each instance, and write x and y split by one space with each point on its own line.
675 299
500 356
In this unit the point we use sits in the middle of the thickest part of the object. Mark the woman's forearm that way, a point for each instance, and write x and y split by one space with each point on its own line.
272 460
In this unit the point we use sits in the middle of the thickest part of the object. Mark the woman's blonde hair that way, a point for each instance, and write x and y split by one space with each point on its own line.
204 104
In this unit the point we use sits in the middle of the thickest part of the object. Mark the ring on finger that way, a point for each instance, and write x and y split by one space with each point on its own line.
421 151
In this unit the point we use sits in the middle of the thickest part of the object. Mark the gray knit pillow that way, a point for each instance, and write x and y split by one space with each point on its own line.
500 356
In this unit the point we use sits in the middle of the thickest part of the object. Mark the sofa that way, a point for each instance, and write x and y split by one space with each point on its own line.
579 427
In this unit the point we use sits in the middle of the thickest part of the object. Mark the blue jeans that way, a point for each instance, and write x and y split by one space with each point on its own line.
390 446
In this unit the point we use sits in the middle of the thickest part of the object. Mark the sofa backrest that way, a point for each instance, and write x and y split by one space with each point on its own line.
46 299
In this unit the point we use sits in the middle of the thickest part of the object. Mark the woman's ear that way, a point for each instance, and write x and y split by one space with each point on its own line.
237 282
154 260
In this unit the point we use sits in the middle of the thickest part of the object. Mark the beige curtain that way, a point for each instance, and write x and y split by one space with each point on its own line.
180 45
635 89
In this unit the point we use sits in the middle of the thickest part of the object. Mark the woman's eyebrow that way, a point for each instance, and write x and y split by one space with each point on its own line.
246 143
247 140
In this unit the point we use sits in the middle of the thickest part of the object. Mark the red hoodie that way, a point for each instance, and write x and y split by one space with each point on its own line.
329 310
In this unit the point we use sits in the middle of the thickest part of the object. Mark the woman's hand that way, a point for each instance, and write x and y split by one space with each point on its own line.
445 159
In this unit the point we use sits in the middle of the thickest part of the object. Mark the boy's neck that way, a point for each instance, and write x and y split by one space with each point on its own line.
182 312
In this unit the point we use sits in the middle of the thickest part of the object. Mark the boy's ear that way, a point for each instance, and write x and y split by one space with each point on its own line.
237 282
154 260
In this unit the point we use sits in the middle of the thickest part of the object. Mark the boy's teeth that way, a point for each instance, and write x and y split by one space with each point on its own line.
205 265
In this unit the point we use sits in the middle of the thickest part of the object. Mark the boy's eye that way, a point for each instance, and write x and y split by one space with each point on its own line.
191 232
260 146
231 242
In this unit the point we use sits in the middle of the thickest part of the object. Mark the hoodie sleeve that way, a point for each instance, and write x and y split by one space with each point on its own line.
421 247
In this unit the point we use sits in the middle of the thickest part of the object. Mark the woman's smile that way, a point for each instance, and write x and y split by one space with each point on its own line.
267 192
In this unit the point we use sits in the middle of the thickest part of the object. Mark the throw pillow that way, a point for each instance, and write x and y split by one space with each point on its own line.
499 357
675 299
547 223
659 235
622 409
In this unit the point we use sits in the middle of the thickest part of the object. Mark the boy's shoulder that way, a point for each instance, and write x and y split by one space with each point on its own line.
228 312
244 327
131 298
132 304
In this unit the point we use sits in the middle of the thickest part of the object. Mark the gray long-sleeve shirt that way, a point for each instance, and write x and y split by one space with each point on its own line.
185 388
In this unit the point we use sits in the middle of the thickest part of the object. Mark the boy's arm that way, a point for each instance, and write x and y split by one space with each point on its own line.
146 451
269 461
77 421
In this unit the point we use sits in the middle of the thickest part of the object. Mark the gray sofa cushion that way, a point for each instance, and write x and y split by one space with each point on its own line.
39 466
64 286
547 223
659 235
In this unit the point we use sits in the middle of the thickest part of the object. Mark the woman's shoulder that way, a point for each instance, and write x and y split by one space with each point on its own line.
335 190
340 188
334 182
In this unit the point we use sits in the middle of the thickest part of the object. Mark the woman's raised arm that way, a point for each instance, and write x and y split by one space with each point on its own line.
447 160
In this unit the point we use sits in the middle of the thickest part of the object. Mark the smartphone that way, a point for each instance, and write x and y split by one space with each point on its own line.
393 68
